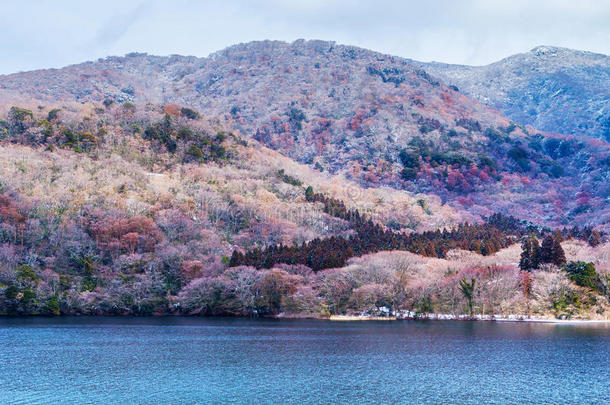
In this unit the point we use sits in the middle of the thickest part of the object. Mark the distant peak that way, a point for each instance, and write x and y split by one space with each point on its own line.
546 50
553 51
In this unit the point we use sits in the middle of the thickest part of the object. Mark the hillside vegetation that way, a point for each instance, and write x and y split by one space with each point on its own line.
141 209
303 179
376 119
554 89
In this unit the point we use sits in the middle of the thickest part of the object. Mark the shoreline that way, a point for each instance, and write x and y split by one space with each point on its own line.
462 318
343 318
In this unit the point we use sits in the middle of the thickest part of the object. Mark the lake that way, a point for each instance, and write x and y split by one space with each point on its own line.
221 360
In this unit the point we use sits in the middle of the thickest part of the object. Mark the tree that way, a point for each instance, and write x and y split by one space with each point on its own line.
20 119
546 250
594 238
309 194
558 255
583 274
467 289
551 250
526 286
525 263
189 113
535 252
530 254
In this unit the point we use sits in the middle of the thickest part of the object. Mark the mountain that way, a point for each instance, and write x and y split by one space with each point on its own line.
153 209
554 89
302 179
377 119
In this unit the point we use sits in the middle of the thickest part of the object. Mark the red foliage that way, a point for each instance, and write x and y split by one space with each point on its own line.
133 234
466 202
9 212
483 176
172 109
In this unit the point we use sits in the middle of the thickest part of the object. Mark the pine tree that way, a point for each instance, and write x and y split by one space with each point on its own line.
530 253
546 250
551 250
309 194
535 252
594 238
558 255
525 263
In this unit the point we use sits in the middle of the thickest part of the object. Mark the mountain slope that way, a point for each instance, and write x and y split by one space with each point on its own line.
554 89
377 119
135 209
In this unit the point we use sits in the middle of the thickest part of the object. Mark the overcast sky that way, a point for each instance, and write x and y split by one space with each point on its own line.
38 34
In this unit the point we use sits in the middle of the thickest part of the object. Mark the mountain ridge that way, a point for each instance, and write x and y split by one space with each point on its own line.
379 119
555 89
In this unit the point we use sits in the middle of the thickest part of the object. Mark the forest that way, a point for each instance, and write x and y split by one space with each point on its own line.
487 238
131 209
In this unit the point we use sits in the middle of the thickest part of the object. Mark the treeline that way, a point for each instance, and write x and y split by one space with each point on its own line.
533 254
511 225
172 134
369 237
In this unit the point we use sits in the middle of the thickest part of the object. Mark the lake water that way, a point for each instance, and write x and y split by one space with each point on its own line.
199 360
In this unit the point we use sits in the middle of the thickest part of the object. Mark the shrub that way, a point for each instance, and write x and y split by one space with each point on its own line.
408 174
583 274
519 155
296 116
26 272
409 159
288 179
53 114
189 113
195 152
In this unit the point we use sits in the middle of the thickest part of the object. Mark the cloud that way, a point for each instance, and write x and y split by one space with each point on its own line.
118 24
58 33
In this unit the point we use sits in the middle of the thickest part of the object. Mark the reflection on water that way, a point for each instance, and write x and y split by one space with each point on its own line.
190 360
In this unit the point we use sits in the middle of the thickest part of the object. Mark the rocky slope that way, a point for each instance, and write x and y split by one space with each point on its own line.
554 89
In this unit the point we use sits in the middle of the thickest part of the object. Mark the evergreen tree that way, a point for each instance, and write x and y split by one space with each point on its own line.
309 194
551 250
525 263
558 255
594 238
546 250
535 252
530 253
583 274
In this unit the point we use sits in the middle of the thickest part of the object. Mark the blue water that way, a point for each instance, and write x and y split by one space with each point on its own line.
194 360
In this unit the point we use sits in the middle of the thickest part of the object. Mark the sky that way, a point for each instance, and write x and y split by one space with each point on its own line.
38 34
